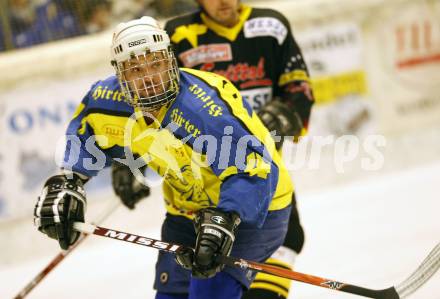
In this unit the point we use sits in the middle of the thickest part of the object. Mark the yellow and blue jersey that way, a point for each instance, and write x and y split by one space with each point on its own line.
208 145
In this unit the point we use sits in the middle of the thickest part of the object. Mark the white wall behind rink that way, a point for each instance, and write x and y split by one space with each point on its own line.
396 49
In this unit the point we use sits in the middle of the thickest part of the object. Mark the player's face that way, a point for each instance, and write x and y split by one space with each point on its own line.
148 75
224 12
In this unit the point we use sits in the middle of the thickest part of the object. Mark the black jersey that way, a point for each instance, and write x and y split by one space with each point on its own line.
259 55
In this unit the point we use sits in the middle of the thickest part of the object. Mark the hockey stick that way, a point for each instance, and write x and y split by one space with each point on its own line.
60 256
428 267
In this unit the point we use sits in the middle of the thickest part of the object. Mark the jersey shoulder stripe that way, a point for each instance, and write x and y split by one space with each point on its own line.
239 109
224 89
201 104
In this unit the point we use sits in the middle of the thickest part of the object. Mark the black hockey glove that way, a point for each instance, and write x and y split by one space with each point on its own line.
126 187
61 203
279 117
215 235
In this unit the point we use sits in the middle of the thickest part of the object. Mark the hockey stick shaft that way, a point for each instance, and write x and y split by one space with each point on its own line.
389 293
43 273
62 255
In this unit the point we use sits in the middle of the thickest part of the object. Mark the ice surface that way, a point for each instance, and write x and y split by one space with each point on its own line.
372 233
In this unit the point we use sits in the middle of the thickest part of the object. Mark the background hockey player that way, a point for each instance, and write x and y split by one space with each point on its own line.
225 187
254 48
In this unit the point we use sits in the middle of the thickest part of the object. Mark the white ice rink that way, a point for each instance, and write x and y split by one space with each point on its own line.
371 233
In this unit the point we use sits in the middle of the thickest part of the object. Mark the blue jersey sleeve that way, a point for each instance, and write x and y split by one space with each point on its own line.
83 153
249 176
240 157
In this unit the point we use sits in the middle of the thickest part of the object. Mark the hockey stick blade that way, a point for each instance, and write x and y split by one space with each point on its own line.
428 267
422 274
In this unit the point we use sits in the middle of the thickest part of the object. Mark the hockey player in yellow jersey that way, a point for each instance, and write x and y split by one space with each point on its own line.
225 187
255 49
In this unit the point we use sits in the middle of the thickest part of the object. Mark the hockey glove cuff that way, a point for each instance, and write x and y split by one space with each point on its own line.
215 235
61 203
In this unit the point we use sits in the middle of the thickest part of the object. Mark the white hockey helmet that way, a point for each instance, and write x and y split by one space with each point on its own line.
145 64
